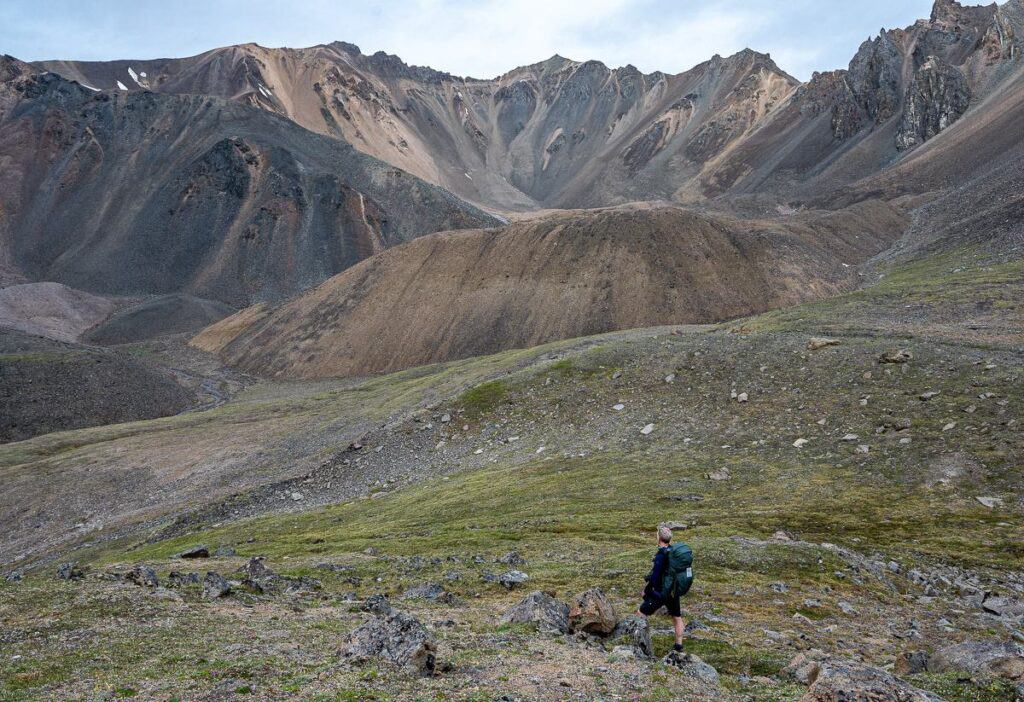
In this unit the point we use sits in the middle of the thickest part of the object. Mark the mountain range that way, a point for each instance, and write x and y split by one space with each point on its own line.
464 216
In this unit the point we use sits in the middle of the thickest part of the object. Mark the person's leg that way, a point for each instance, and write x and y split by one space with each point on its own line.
677 622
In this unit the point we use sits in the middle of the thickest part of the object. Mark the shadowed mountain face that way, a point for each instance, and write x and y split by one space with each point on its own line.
459 294
136 193
563 133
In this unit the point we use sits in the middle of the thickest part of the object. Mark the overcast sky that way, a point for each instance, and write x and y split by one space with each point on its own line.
479 38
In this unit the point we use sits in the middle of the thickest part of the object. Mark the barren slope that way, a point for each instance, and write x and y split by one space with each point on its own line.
48 386
460 294
51 310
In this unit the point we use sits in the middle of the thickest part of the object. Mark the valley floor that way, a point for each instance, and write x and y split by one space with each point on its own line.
838 505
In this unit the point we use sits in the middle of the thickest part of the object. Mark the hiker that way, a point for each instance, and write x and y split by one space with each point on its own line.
670 579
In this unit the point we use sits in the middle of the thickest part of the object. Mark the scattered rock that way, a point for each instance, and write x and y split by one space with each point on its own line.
720 474
820 342
178 579
691 666
800 443
990 502
512 558
549 614
742 397
395 637
998 658
647 429
896 356
433 592
911 663
804 667
592 613
143 576
850 437
925 396
635 632
70 571
853 682
618 407
847 609
225 552
215 586
195 552
512 578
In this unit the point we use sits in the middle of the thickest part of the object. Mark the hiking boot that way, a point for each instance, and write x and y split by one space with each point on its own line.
678 647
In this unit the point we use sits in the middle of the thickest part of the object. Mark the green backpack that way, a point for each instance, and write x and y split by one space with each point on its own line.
679 573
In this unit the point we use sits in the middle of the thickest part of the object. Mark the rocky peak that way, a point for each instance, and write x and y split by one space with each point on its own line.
950 13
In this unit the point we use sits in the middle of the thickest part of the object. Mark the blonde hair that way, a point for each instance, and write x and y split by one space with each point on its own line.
665 535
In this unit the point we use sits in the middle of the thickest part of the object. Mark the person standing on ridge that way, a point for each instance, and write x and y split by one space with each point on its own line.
670 578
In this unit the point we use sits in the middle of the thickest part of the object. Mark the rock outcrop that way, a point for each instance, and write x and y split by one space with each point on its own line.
394 637
592 613
550 615
988 658
937 97
839 681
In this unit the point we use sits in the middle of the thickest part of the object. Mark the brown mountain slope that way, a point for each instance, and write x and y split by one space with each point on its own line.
553 134
459 294
143 193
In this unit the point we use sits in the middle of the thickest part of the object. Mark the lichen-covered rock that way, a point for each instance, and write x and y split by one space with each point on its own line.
692 667
143 576
70 571
804 667
395 637
592 613
1003 659
550 615
215 586
635 631
840 681
936 98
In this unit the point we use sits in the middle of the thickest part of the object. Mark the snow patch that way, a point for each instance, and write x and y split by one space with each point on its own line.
468 176
134 75
84 85
266 91
143 74
121 85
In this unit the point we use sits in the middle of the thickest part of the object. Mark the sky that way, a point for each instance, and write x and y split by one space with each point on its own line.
478 38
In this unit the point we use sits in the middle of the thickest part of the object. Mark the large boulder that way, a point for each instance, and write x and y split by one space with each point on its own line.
591 612
635 631
1002 659
841 681
215 586
692 667
395 637
542 609
143 576
70 571
198 551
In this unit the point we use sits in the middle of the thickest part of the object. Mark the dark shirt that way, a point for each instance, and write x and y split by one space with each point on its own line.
654 580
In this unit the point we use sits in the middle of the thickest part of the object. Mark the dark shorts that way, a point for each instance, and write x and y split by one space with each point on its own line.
652 604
